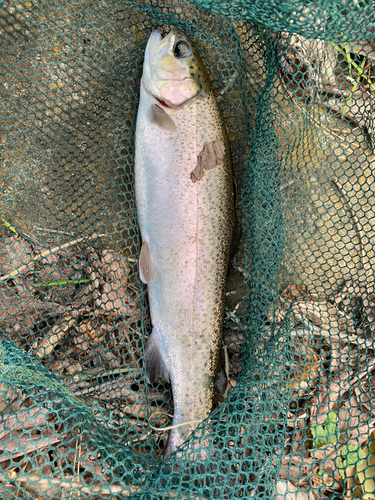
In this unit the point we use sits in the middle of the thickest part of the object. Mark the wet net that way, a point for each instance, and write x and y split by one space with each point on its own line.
295 83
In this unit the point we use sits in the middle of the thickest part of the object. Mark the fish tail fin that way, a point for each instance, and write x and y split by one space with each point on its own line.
169 449
174 441
154 360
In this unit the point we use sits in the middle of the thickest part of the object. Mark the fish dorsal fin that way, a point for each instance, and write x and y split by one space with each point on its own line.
146 269
155 364
211 155
160 117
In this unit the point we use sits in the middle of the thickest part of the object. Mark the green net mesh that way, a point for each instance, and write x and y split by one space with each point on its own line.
295 83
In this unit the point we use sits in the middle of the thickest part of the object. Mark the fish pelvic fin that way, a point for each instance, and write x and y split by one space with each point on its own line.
155 364
146 269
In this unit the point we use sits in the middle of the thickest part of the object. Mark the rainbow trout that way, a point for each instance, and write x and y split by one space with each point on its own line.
186 214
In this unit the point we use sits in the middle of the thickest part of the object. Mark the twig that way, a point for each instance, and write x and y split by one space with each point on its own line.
320 332
18 233
79 454
354 218
46 230
117 389
162 413
132 287
162 429
137 439
84 375
47 252
226 361
8 226
56 333
30 447
364 373
63 283
75 485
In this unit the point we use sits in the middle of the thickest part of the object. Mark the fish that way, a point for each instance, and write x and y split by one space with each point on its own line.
184 192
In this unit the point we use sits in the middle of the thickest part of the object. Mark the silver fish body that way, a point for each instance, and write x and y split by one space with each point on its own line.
185 206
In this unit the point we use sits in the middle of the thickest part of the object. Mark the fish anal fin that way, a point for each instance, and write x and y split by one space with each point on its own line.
146 269
155 364
211 155
161 118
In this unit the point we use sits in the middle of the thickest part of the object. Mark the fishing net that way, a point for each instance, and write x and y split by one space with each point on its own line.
295 83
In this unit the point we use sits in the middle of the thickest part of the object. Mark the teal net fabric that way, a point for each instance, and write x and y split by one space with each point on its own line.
295 84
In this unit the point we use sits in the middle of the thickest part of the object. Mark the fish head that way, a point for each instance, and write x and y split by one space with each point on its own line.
173 72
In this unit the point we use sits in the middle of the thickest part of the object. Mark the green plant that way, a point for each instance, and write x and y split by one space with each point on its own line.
346 50
351 455
325 433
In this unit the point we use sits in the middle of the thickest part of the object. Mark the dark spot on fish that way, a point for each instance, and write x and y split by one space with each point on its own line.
192 74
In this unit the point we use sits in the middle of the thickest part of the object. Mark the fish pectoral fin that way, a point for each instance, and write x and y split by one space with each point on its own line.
146 269
161 118
211 155
155 364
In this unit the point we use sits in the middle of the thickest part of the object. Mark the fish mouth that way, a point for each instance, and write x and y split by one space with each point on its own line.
163 103
155 37
153 41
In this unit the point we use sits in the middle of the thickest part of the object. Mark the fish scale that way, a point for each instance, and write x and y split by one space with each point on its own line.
186 228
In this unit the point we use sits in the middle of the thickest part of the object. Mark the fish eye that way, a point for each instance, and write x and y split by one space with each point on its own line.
181 49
